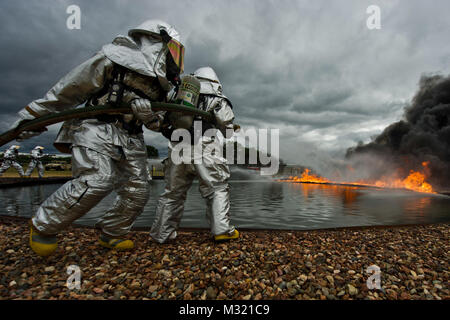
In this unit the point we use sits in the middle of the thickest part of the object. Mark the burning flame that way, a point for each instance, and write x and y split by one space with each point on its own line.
311 178
415 181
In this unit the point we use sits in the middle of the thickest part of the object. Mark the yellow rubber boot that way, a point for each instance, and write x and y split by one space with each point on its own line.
42 245
117 244
225 237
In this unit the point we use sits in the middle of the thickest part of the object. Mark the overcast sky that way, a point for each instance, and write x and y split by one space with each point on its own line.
310 68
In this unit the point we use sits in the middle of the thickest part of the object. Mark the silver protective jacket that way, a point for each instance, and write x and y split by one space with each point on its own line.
76 88
105 156
214 100
9 160
36 156
10 154
212 173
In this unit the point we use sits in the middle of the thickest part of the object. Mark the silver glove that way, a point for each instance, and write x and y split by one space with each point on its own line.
142 109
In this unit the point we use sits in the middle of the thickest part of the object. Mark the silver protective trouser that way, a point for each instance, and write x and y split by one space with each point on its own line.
96 175
213 174
11 163
33 164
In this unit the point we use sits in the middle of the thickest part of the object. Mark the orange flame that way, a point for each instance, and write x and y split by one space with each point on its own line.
307 177
415 181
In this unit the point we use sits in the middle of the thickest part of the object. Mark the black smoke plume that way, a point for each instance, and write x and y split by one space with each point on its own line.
422 135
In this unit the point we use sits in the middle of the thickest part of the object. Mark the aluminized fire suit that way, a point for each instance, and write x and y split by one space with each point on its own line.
36 156
108 152
9 160
213 172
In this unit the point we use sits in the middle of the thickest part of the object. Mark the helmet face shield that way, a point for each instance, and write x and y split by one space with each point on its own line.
176 50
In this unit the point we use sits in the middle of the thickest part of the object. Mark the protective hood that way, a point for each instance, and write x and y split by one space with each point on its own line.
127 53
143 51
208 87
209 81
153 28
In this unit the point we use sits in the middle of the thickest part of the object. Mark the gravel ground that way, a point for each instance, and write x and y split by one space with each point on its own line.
329 264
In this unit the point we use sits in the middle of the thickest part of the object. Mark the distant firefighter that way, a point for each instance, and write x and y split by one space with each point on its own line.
36 155
9 160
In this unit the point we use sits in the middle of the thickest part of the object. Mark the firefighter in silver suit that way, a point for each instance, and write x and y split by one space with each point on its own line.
108 151
36 156
212 171
9 160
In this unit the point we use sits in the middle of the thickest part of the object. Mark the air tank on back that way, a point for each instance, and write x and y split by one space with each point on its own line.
188 94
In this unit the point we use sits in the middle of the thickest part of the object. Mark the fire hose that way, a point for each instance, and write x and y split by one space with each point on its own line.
40 123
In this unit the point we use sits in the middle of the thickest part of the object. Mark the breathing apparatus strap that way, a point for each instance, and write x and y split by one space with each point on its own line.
115 89
107 88
165 36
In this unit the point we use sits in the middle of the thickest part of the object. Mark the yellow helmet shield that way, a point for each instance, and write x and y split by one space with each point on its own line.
176 50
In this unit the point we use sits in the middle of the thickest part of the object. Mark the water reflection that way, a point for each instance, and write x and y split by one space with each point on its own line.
418 205
272 194
348 196
16 200
268 204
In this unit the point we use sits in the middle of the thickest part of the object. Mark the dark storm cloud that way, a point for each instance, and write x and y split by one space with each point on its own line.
422 136
310 68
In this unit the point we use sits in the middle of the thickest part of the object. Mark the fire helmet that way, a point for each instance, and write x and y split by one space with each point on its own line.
167 34
209 81
153 28
207 73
